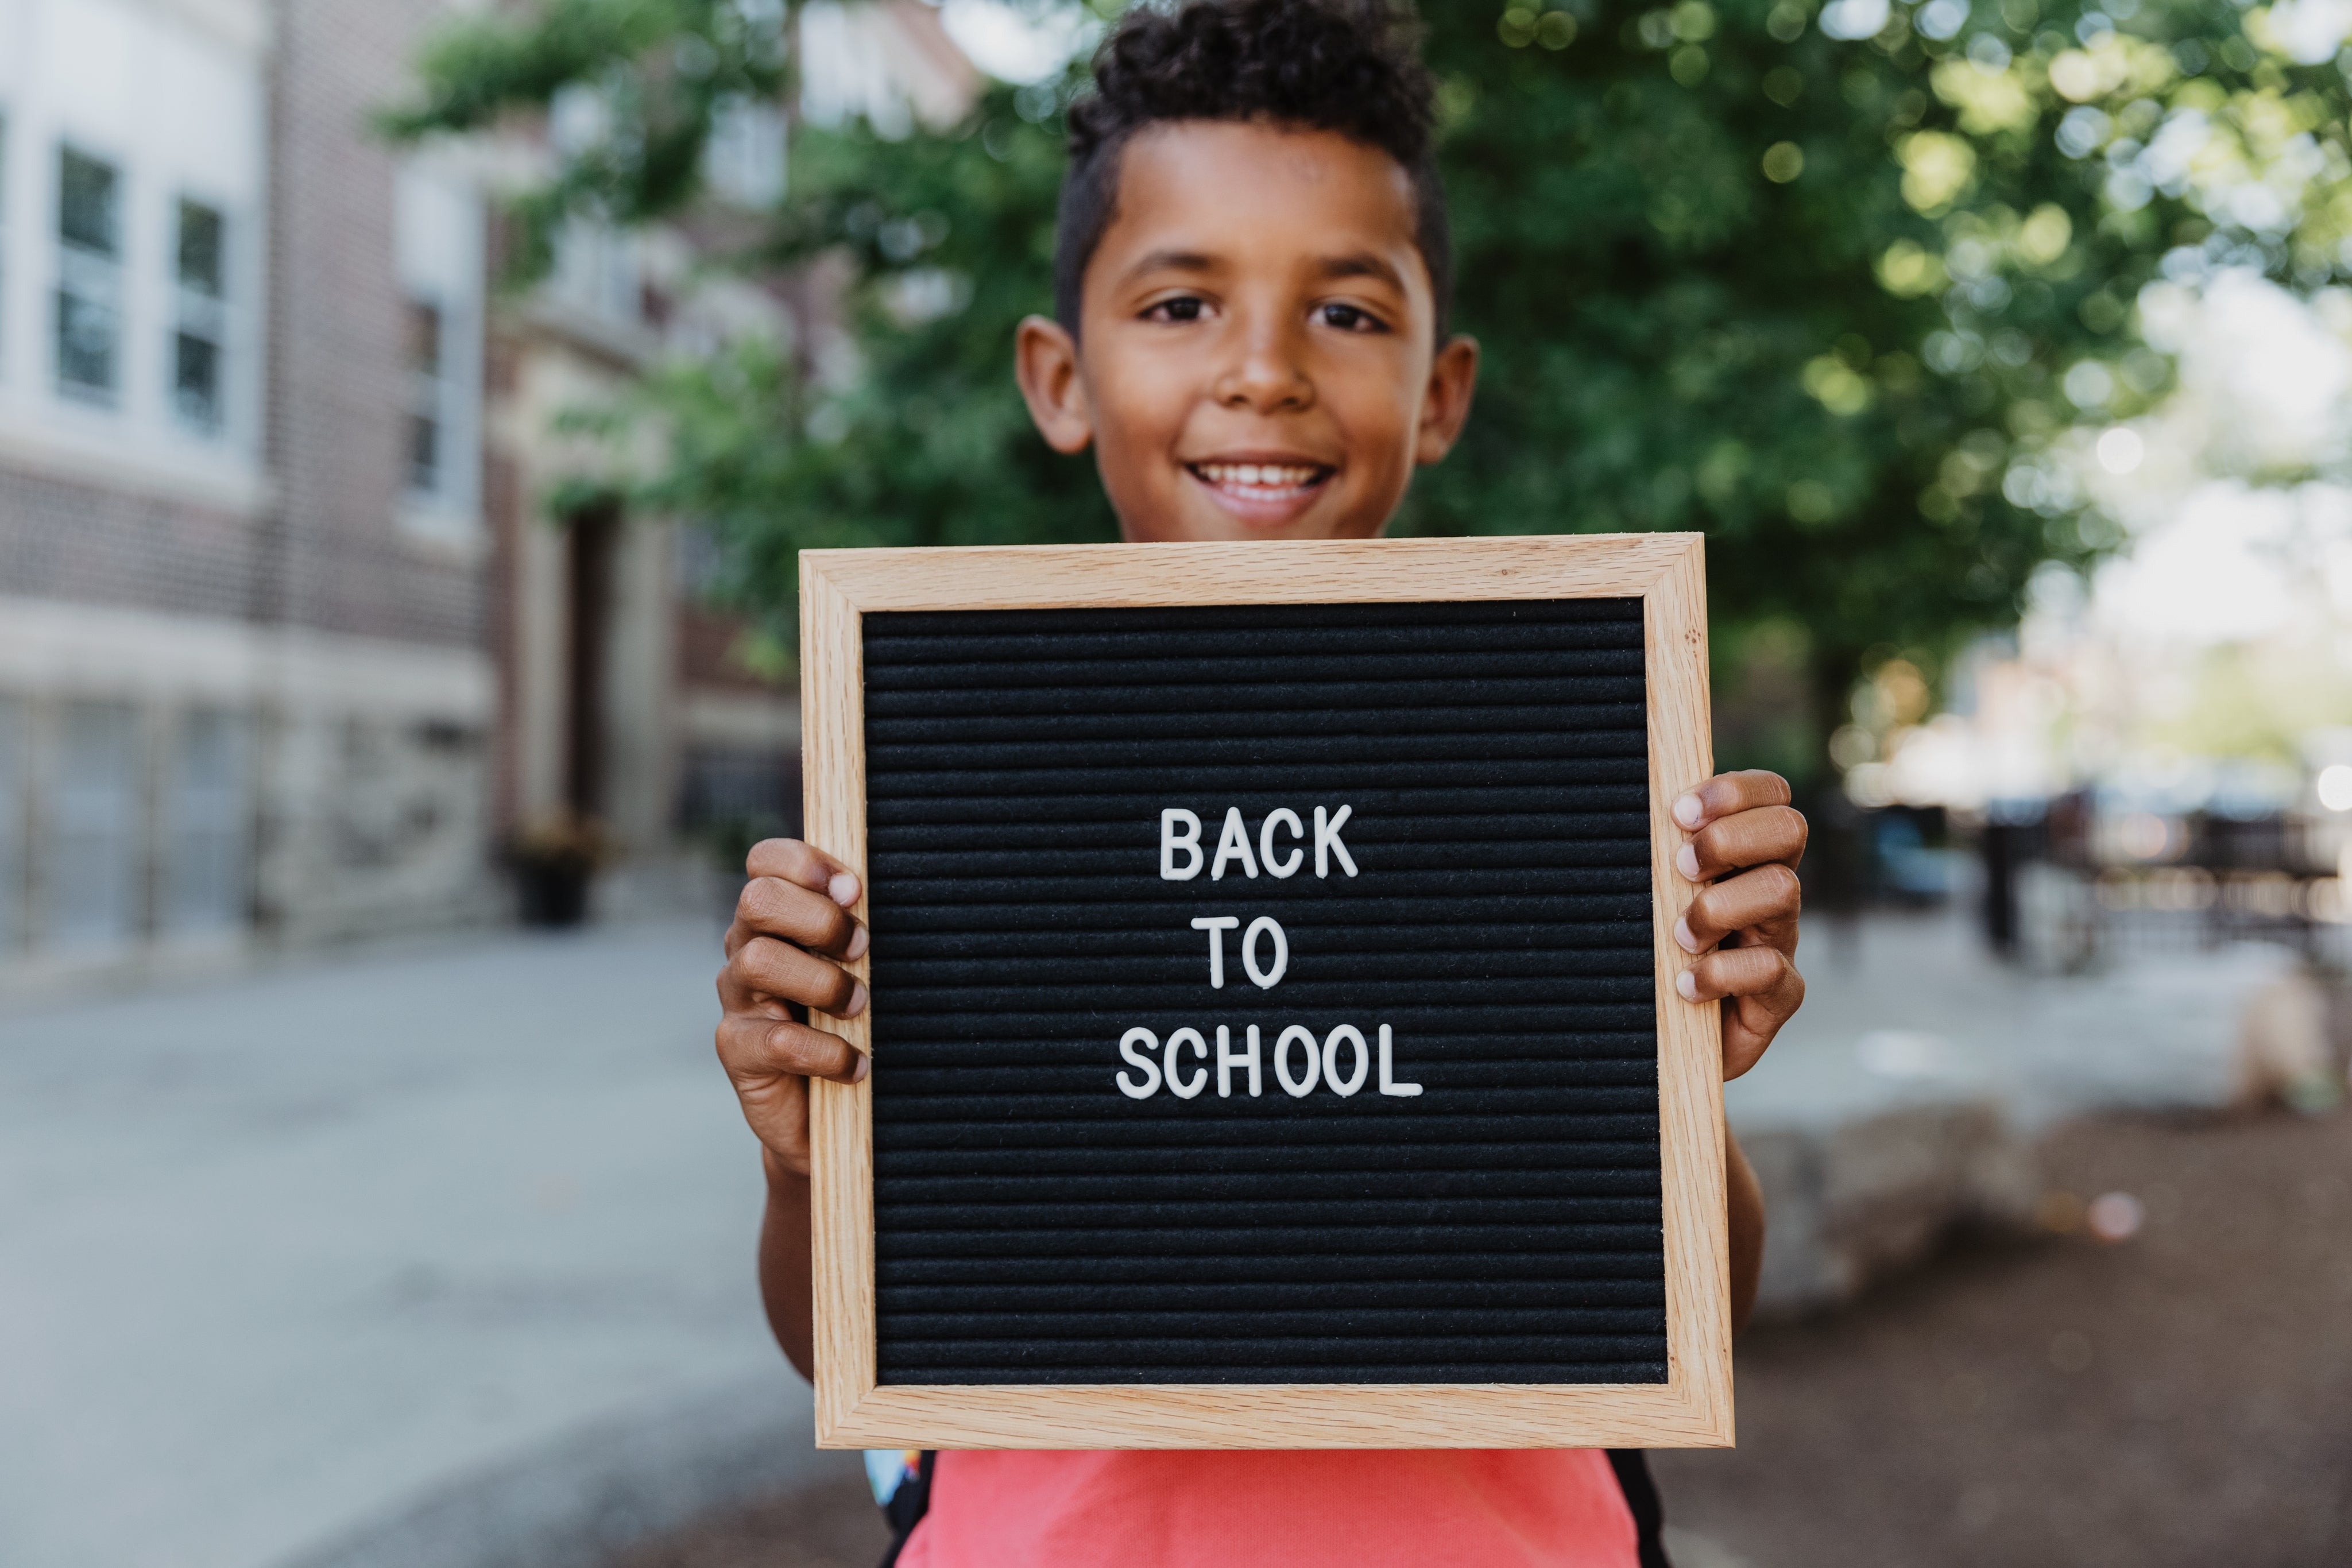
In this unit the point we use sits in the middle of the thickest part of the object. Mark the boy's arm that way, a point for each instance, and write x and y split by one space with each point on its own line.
785 1284
792 924
1744 1198
1744 843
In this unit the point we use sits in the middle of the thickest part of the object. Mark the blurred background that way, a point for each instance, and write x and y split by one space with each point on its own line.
409 411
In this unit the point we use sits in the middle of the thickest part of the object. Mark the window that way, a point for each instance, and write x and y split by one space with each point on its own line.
596 271
428 398
90 275
744 159
205 812
437 235
91 869
199 339
13 757
4 236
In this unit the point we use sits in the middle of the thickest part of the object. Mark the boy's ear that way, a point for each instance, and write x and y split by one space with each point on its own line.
1453 374
1045 363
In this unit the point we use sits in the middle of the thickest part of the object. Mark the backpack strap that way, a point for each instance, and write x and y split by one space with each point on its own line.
904 1506
1633 1469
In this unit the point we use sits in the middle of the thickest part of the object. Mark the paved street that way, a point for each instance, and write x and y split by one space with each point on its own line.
282 1255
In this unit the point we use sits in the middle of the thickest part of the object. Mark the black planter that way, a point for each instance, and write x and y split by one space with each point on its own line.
553 893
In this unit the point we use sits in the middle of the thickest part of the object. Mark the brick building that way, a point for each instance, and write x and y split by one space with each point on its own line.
287 642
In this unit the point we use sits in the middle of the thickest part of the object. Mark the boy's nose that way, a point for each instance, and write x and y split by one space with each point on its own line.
1266 377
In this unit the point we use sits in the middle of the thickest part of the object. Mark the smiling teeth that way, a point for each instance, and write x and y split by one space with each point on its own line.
1257 476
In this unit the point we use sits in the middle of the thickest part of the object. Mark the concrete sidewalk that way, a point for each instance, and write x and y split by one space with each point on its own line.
1911 1009
302 1253
446 1258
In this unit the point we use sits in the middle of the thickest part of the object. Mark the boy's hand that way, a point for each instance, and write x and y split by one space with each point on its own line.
790 923
1746 839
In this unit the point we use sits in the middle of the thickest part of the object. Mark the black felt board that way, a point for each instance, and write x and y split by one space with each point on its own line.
1034 1225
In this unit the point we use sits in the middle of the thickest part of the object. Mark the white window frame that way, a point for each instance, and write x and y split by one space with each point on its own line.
206 836
745 162
91 278
208 318
438 241
7 194
175 102
431 398
15 813
599 272
93 835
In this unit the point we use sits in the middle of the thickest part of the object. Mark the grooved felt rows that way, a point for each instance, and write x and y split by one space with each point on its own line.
1033 1224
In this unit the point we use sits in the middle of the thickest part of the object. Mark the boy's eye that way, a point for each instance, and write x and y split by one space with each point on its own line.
1348 319
1184 308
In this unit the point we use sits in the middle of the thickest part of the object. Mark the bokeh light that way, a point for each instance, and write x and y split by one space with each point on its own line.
2336 787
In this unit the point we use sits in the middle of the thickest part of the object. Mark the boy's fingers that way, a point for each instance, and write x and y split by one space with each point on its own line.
1764 990
776 1106
1766 900
1756 972
1760 836
1749 1023
804 865
765 967
1738 822
1728 792
753 1049
770 906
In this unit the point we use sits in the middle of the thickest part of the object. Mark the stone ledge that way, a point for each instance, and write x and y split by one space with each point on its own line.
1849 1202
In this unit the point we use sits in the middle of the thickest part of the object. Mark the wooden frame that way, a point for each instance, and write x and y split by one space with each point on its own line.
1693 1408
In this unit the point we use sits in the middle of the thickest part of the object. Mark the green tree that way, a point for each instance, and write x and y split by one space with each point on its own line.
1840 288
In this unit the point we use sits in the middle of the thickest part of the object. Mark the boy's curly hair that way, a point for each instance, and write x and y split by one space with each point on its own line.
1352 66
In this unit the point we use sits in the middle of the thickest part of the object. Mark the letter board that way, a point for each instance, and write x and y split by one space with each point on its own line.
1274 1030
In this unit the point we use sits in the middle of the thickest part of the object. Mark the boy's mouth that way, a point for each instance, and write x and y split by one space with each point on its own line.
1268 494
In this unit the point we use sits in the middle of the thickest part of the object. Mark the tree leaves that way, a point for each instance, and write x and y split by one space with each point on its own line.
1820 286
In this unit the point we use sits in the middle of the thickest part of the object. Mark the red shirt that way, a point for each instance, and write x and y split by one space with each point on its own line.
1511 1507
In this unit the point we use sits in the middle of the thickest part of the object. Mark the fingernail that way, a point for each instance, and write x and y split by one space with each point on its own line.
1689 812
844 888
1687 863
856 1001
1687 984
865 1065
858 941
1682 935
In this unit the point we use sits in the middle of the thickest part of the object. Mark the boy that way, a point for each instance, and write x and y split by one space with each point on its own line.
1251 290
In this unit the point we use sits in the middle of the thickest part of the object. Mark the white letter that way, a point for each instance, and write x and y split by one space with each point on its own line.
1279 869
1326 842
1354 1036
1201 1078
1170 842
1150 1085
1228 1058
1388 1085
1266 924
1297 1088
1216 925
1232 844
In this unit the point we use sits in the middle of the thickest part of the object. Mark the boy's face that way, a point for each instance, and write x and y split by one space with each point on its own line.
1256 357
